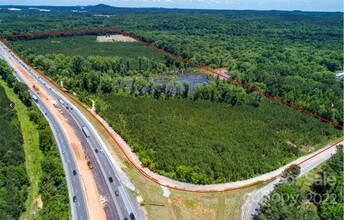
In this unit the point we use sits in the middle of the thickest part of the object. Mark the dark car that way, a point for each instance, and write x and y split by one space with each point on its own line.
74 172
132 217
74 198
117 193
96 150
110 179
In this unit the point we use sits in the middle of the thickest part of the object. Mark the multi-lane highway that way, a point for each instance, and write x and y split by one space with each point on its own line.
78 207
118 201
74 183
105 171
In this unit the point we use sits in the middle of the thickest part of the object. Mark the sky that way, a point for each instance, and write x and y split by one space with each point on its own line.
304 5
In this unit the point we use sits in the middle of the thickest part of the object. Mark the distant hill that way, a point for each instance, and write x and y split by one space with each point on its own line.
100 7
89 8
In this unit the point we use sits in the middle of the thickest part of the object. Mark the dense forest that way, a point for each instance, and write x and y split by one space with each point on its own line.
323 199
225 118
13 177
291 55
86 45
53 186
233 132
230 143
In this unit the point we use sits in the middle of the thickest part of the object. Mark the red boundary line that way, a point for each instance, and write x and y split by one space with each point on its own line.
141 171
57 33
231 79
184 60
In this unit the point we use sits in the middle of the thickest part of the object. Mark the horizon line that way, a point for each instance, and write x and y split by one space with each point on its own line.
170 8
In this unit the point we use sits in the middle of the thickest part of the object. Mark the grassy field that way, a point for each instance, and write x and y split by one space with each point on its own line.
33 154
88 46
184 205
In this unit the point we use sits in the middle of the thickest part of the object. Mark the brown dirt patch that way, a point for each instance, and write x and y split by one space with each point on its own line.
39 202
95 206
114 38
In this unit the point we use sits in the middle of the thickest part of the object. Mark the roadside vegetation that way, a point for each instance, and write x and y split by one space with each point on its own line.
226 205
291 55
33 155
319 197
230 143
52 184
13 176
234 133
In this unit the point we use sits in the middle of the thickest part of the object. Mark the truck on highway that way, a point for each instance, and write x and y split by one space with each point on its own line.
86 132
35 98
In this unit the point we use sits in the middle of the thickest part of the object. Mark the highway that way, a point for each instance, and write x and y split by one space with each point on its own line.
124 200
74 183
79 211
118 201
251 205
93 147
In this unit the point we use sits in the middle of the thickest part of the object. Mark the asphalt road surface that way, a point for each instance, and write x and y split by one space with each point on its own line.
119 203
75 188
251 206
118 206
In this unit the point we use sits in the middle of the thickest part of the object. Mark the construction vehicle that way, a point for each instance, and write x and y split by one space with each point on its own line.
54 103
90 165
35 88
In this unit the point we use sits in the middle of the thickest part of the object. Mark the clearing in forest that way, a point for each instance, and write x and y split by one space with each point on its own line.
234 133
88 45
114 38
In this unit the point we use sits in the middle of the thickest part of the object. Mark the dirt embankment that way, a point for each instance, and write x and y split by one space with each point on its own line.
95 206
